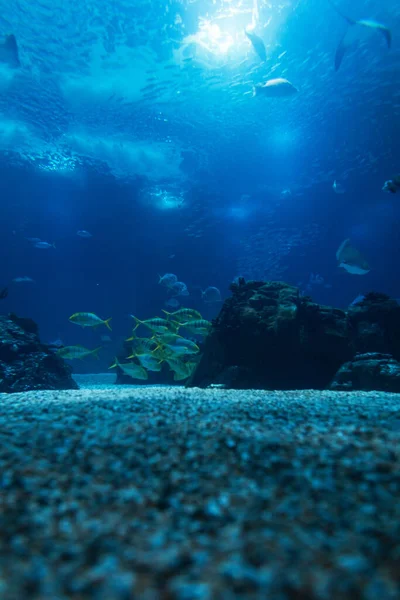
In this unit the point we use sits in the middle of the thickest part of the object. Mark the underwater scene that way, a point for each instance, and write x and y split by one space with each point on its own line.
152 154
199 299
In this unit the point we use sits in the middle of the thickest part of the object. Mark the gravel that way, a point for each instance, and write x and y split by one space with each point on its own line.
157 492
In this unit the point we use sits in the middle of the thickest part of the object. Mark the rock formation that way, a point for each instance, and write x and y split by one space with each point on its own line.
269 337
370 371
25 363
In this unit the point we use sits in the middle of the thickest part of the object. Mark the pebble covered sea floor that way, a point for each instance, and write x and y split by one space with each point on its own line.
113 493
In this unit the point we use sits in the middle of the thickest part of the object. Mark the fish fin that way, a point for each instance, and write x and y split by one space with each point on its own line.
107 323
113 366
130 339
387 34
11 47
339 12
167 313
342 246
10 42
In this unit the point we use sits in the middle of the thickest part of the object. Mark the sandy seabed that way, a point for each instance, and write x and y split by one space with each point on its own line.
114 493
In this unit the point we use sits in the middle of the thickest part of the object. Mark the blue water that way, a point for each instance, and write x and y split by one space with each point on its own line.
135 121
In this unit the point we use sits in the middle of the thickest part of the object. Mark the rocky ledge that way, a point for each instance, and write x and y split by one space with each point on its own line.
267 336
27 364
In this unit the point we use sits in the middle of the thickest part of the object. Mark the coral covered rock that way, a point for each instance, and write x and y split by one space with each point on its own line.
370 371
27 364
374 325
267 336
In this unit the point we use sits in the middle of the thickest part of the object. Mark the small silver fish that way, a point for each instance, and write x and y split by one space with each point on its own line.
172 303
58 343
338 188
23 280
168 279
357 300
211 294
44 245
83 233
392 185
179 289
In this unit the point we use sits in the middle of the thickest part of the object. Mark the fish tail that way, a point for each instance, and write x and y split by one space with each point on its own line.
95 352
137 321
133 336
107 323
53 245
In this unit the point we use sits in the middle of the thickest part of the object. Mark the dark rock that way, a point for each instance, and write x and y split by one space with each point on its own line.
28 325
25 363
374 325
371 371
267 336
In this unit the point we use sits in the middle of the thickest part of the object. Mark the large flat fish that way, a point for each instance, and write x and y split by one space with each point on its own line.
257 44
353 33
